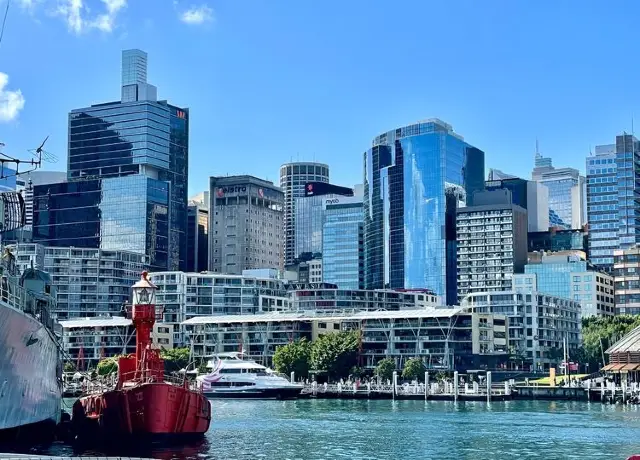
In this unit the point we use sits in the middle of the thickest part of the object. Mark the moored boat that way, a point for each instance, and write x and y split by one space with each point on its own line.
30 359
143 401
231 375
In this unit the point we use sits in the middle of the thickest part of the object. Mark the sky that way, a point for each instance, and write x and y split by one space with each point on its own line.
271 81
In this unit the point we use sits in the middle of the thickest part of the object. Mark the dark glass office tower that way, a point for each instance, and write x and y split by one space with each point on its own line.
407 174
135 151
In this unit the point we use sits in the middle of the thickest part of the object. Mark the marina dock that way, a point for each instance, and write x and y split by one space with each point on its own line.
451 390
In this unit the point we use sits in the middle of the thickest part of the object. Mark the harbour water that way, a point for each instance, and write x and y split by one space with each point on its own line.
333 429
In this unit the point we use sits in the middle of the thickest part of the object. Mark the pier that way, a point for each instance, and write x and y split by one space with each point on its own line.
436 391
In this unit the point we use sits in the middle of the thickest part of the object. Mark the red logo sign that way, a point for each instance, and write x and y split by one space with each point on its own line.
310 187
260 193
220 193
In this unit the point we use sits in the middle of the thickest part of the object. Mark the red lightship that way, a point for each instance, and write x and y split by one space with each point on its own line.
143 401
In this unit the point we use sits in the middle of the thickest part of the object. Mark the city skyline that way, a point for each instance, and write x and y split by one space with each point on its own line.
529 94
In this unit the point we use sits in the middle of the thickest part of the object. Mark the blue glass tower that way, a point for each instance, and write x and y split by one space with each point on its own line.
408 175
342 244
133 154
613 194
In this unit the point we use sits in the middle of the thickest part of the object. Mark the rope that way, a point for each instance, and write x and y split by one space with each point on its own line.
4 21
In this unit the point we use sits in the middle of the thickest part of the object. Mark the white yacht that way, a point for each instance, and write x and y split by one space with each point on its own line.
232 376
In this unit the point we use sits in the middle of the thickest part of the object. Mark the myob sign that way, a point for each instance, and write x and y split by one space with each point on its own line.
343 200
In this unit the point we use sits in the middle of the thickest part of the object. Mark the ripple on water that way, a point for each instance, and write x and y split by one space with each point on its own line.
328 429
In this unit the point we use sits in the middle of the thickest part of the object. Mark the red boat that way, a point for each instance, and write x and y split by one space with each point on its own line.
144 401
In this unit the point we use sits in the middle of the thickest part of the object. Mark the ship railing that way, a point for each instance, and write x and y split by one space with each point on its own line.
110 383
133 378
38 305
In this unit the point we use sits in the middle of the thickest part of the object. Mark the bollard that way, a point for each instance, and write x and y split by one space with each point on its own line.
395 384
355 388
293 377
489 386
426 385
455 386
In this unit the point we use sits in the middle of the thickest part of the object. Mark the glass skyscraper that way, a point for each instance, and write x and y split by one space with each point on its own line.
612 197
342 244
566 193
293 180
409 173
127 176
310 214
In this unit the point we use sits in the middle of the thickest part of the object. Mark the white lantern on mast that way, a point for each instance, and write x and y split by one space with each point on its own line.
144 291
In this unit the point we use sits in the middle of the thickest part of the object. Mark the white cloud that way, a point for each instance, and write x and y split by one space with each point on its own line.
11 102
28 4
71 11
75 13
106 22
197 15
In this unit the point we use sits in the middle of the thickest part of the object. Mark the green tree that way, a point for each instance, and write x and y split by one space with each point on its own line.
175 358
385 368
556 355
413 369
357 372
598 334
107 366
202 368
69 367
293 357
335 354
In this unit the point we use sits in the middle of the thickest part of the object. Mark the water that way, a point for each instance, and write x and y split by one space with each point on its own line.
333 429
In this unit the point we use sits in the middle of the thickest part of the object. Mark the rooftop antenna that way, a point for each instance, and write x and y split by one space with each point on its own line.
537 149
13 202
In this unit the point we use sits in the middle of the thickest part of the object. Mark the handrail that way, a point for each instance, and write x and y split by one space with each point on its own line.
38 305
110 382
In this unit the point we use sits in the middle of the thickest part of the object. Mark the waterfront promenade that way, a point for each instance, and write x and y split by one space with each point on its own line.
596 389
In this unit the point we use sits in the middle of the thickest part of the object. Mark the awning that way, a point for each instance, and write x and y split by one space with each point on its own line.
613 367
630 367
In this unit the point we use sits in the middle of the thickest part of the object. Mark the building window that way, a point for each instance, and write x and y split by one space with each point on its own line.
576 278
576 287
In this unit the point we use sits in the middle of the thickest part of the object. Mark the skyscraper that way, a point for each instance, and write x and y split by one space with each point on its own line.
245 224
197 237
492 243
310 215
530 195
293 177
131 156
612 198
566 193
413 176
342 243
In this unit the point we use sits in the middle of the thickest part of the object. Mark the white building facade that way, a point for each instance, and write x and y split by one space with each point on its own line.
89 282
539 324
88 340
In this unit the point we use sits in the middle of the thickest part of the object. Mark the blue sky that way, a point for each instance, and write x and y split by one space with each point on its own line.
268 81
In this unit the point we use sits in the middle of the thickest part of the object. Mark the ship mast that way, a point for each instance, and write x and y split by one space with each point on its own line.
143 315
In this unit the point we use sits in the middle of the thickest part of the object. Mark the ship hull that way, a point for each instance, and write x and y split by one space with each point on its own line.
150 409
30 388
264 393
